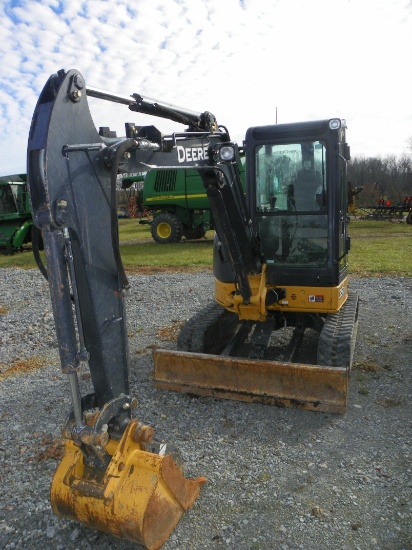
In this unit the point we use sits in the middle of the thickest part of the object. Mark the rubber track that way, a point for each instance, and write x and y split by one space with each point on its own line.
208 331
338 336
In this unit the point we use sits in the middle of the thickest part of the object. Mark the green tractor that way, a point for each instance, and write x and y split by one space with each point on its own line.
179 203
16 223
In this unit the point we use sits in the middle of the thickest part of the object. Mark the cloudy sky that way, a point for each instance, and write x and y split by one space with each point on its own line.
243 60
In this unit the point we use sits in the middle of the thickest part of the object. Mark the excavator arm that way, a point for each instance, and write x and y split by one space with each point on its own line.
72 170
72 173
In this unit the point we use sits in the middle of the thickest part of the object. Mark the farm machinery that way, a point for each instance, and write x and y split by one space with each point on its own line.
178 202
16 224
385 210
280 261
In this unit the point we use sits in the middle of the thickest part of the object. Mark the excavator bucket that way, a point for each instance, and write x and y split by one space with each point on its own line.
310 387
139 497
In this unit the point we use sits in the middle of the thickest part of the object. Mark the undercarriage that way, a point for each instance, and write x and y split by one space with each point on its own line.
296 360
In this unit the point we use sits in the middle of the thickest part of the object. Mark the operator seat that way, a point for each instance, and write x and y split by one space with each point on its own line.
306 183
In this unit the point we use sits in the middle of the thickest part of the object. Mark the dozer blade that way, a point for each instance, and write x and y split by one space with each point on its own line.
310 387
140 497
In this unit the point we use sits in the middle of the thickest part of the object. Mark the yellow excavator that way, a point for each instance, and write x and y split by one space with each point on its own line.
280 264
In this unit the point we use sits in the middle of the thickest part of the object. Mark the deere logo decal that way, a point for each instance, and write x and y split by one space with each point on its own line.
191 154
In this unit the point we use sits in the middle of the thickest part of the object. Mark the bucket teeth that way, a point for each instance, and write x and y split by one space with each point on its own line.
140 497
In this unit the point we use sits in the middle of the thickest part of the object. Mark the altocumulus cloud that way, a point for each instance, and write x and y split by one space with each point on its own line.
240 59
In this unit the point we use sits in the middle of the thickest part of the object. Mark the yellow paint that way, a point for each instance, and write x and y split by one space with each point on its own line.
140 497
305 299
162 198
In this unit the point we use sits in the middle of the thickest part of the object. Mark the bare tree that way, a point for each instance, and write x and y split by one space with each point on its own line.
382 178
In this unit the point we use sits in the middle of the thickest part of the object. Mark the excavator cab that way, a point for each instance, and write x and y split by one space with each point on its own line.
296 193
297 202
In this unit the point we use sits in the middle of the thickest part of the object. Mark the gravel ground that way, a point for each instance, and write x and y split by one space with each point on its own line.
277 478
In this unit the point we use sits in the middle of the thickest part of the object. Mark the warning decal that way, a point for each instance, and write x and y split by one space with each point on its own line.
316 298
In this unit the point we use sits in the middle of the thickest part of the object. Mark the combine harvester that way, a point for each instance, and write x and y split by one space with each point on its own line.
16 224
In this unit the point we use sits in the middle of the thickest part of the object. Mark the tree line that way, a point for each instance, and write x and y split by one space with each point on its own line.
388 178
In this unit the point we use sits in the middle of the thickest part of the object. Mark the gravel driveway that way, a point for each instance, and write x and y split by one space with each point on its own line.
277 478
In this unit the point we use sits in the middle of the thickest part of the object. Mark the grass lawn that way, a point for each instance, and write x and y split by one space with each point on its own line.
379 248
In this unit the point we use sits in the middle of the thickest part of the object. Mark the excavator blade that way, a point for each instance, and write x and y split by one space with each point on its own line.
310 387
140 497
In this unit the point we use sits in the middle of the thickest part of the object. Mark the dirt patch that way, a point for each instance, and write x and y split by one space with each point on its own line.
170 332
47 448
22 367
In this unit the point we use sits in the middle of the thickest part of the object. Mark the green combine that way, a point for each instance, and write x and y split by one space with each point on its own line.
16 221
179 203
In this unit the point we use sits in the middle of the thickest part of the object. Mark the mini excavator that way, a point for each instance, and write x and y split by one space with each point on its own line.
280 262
